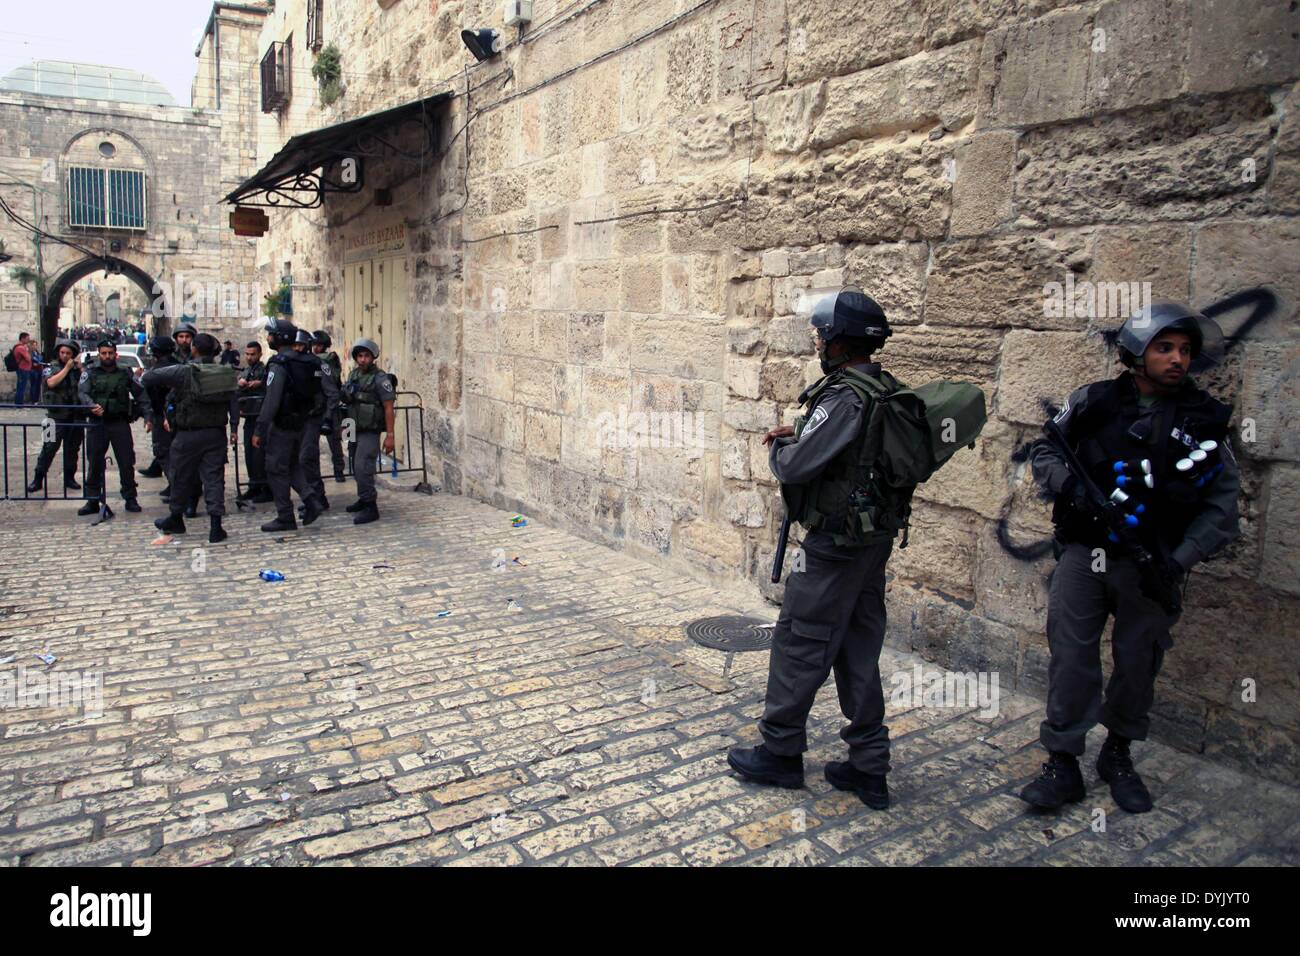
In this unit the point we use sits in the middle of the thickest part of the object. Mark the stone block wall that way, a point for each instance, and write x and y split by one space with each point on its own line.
653 184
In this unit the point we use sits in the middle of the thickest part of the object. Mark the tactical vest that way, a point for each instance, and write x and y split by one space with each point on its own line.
250 399
332 359
158 393
112 391
363 396
204 401
1109 428
65 393
849 500
302 389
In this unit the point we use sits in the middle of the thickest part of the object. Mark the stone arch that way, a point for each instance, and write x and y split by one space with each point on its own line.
76 271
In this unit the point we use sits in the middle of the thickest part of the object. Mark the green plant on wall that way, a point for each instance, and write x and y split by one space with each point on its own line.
279 302
328 71
25 274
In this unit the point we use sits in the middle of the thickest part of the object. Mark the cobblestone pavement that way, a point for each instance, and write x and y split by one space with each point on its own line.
336 719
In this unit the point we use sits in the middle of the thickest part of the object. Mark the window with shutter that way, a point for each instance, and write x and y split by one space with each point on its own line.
101 198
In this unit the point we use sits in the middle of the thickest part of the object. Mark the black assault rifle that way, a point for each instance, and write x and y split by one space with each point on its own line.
781 541
1153 580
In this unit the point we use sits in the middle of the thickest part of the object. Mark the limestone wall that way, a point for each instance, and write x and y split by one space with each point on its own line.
951 157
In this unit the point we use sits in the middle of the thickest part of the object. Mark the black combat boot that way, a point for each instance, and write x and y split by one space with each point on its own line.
311 511
356 506
172 524
871 788
153 471
338 476
367 514
89 508
1061 782
262 497
132 504
192 510
1115 766
762 766
215 531
71 484
35 485
166 493
281 524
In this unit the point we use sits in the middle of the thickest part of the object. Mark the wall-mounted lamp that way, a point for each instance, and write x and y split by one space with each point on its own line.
484 44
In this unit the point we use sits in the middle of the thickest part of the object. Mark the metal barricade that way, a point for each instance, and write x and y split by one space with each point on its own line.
16 445
403 413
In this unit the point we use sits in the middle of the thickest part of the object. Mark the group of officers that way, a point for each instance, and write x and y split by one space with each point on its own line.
192 407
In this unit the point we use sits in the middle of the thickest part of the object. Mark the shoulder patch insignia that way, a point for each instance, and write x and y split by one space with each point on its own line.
815 421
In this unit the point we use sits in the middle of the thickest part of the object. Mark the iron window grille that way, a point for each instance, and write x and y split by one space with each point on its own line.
100 198
276 77
315 20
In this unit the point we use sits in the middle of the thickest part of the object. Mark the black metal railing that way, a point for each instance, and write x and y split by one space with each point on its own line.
412 465
19 460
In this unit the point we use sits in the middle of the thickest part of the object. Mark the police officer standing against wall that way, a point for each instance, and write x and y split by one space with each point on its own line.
163 350
1156 445
251 391
61 380
371 399
204 392
292 390
323 346
833 615
322 413
115 399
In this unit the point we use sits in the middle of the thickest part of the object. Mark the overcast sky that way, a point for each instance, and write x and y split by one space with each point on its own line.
157 37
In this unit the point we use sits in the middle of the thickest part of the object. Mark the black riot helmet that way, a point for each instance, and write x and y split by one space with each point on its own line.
322 338
302 337
280 332
847 313
162 345
1141 328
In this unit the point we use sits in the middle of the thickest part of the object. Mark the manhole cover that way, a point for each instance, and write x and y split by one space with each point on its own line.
731 633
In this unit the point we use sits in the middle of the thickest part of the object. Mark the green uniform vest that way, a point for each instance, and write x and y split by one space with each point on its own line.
65 393
363 395
204 401
111 390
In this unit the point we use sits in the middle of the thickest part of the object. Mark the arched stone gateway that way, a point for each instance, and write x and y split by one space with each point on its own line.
159 324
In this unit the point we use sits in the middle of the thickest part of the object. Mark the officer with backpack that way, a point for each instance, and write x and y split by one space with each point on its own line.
323 346
115 400
205 391
371 398
293 388
833 615
61 381
847 473
1155 448
163 350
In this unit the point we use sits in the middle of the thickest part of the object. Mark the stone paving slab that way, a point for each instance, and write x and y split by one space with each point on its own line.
336 719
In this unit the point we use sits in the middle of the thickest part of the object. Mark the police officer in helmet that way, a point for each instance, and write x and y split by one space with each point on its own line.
371 399
321 420
323 346
163 350
833 615
115 399
204 391
184 338
1157 445
293 389
61 379
251 390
